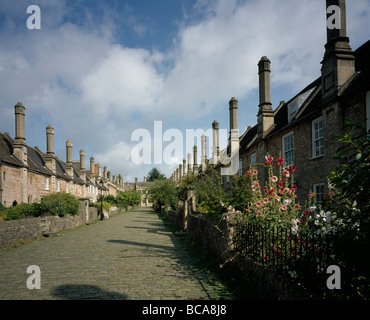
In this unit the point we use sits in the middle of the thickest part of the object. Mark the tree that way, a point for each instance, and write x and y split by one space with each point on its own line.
155 174
163 192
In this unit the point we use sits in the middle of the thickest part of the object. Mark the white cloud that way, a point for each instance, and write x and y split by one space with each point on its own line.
100 91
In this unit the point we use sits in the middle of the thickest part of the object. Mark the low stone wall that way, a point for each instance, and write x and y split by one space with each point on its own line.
22 230
215 239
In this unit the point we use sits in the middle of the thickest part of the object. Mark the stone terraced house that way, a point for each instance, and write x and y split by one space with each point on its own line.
303 130
27 174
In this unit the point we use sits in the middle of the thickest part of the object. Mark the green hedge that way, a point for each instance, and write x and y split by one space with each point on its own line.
59 204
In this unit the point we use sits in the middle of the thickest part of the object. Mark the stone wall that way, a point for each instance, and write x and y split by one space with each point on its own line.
19 231
269 285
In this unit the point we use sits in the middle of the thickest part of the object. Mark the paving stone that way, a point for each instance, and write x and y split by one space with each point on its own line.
129 256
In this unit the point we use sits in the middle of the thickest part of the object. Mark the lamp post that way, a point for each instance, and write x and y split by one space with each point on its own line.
101 199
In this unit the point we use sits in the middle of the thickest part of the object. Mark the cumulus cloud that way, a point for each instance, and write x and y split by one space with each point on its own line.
75 74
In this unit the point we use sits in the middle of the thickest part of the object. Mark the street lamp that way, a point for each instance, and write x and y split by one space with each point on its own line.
101 199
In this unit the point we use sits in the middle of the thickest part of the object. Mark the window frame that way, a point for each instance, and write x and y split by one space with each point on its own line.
314 140
289 150
320 185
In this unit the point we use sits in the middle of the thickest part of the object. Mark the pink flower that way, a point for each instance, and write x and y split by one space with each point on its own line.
265 201
294 187
258 204
255 172
259 213
286 173
297 206
274 178
283 208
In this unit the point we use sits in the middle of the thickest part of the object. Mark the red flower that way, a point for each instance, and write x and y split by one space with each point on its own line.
280 161
293 168
281 185
294 187
271 191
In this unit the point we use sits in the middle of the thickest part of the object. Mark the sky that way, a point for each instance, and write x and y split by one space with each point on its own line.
120 75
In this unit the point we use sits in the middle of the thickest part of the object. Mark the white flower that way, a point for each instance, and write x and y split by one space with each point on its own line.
287 201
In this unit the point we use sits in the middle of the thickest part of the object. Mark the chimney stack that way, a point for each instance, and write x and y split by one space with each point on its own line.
195 155
184 167
265 113
204 151
19 146
99 170
189 162
92 169
105 176
216 142
50 158
82 165
69 164
338 65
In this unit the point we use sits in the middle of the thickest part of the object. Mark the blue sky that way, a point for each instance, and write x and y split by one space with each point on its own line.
97 71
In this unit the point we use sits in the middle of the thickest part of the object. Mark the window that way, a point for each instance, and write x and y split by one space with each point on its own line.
46 183
253 159
240 172
318 189
288 149
317 138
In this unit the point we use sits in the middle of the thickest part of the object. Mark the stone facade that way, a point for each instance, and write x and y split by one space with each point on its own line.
304 129
28 174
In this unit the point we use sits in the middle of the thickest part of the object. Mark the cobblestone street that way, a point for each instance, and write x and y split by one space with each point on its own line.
130 256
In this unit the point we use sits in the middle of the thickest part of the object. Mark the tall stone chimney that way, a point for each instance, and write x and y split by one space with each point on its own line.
184 167
69 163
19 146
99 171
233 108
105 174
195 155
82 165
265 116
50 157
180 171
204 151
338 64
216 139
92 169
189 162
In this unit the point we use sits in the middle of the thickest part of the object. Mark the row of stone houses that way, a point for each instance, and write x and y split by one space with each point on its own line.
27 174
303 130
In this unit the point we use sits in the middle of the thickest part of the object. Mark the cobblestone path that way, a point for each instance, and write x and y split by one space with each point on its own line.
129 256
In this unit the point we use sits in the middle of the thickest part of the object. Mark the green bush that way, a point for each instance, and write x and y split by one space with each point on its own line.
128 198
60 204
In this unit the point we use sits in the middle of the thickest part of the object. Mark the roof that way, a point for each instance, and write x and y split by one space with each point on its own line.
6 150
311 99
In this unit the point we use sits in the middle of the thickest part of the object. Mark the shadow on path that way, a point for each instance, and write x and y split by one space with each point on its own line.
85 292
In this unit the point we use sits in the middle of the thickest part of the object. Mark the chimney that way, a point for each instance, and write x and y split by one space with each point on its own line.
233 108
105 176
99 170
92 169
50 158
338 65
184 167
82 165
109 175
144 179
204 152
177 174
69 164
19 146
216 139
265 113
189 162
195 166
